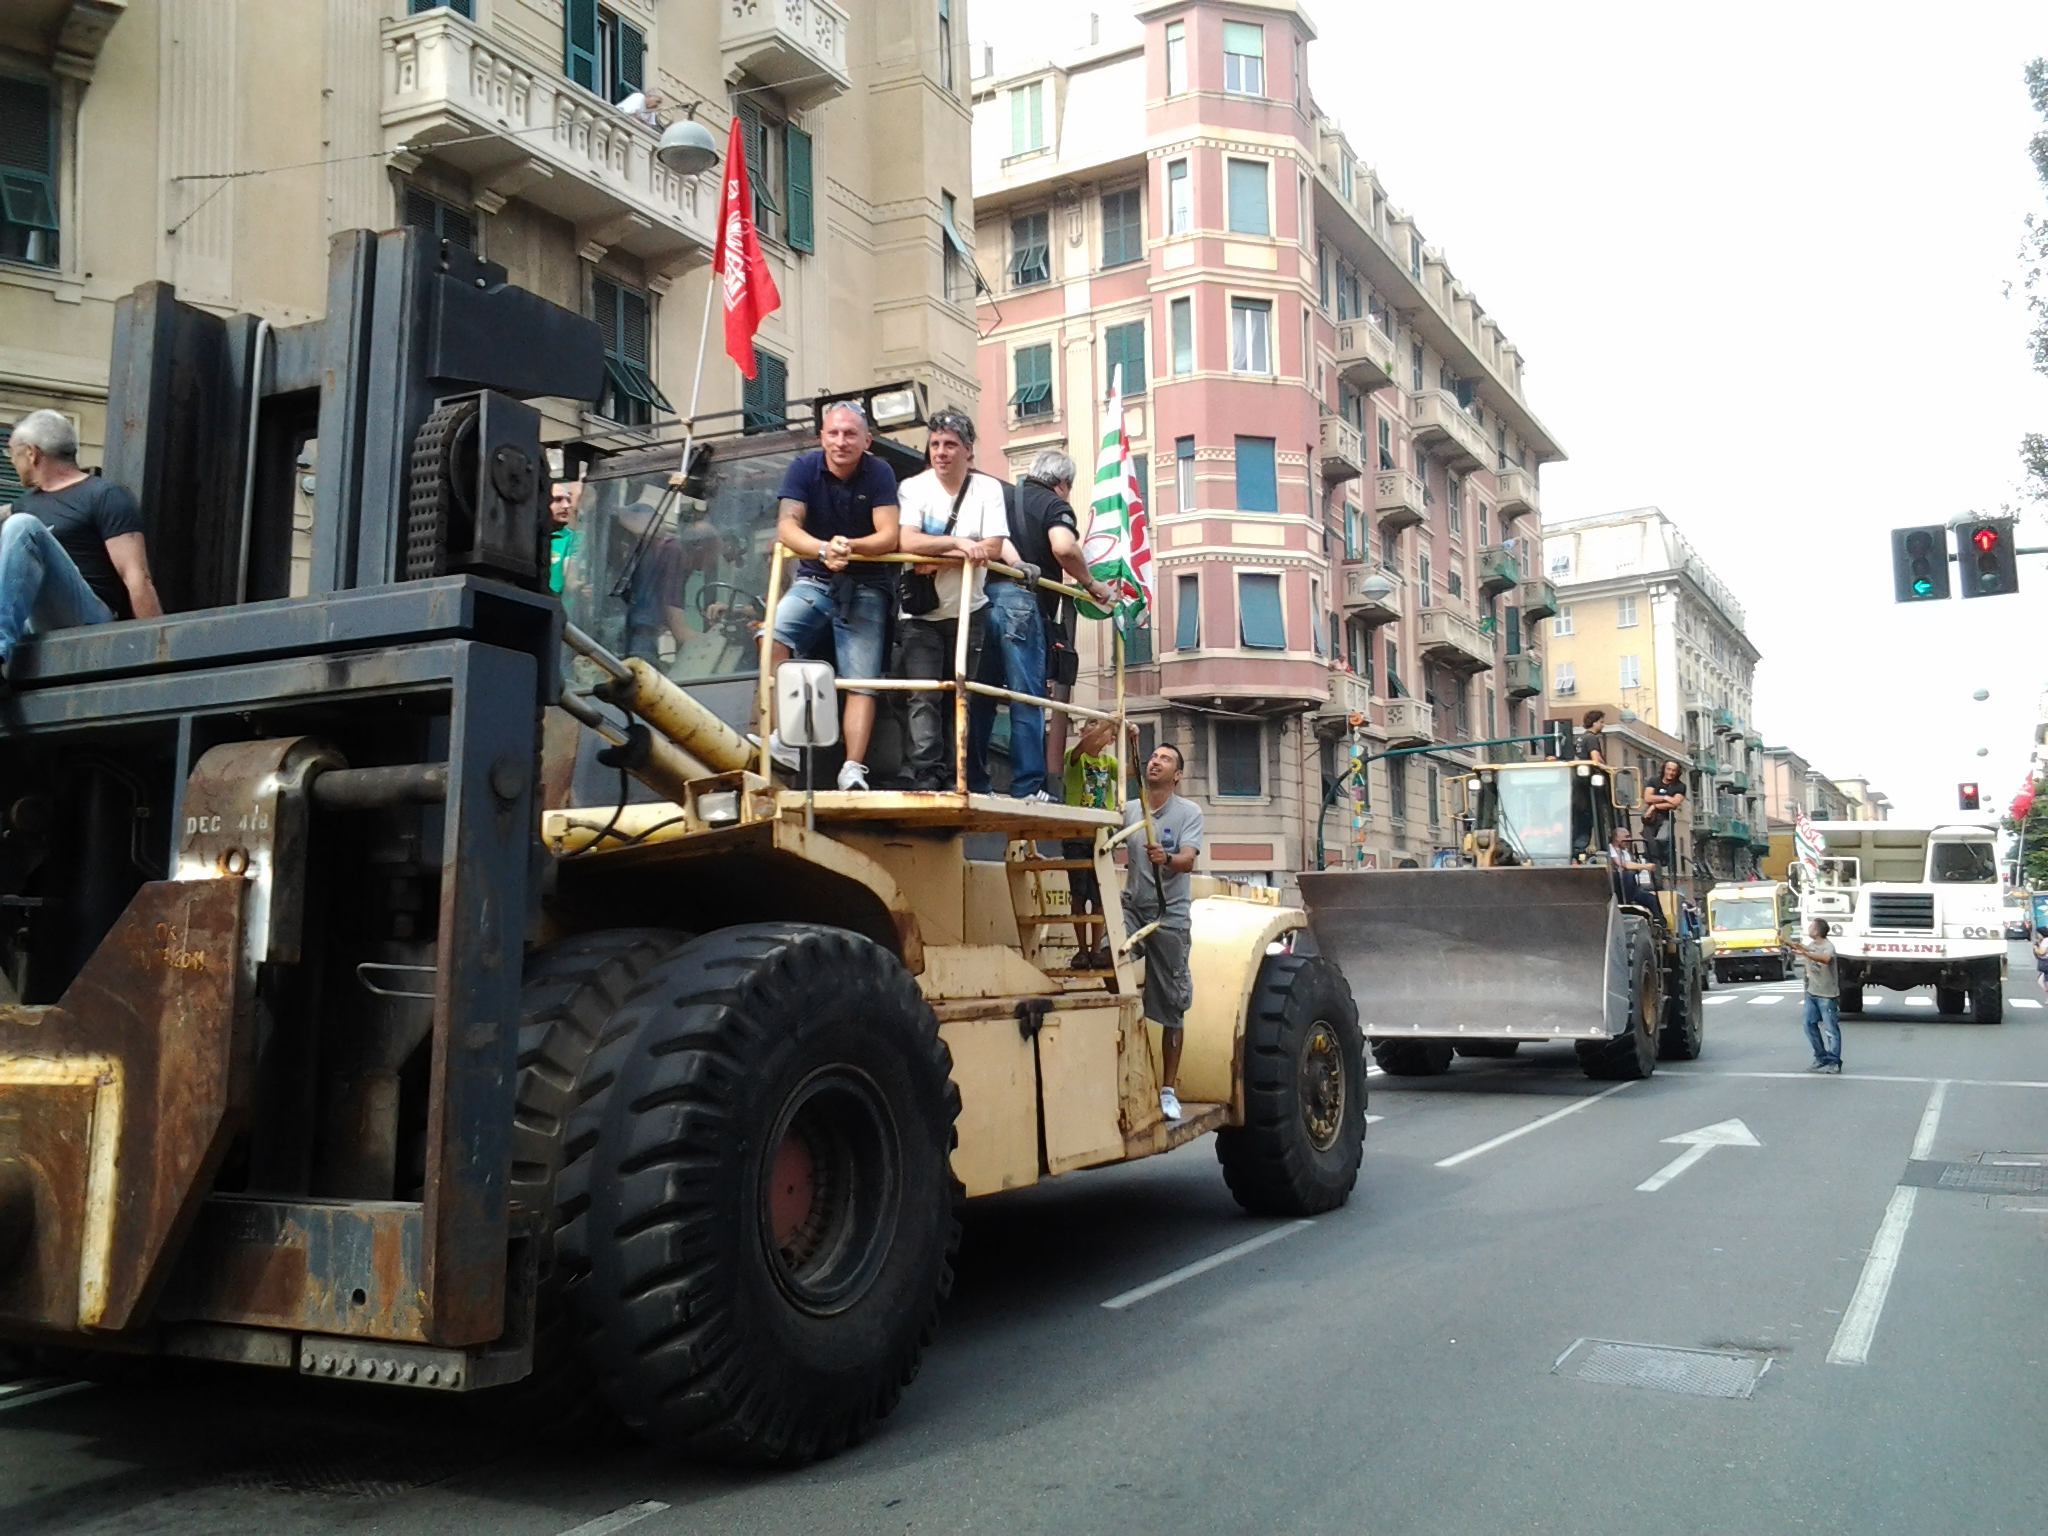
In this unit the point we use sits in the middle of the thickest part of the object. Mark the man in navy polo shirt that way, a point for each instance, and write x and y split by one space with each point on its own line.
837 502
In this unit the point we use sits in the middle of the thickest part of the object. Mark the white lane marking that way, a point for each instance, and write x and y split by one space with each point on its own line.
22 1400
28 1384
1930 1118
1203 1266
1374 1119
1534 1125
1674 1168
1766 1000
1919 1002
618 1519
1714 1002
2023 1002
1859 1319
1723 1133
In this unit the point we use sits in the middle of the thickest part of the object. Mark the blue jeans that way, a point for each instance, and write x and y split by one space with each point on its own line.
40 589
857 624
1012 657
1824 1029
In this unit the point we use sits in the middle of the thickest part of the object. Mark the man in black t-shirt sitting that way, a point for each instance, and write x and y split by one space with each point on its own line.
78 557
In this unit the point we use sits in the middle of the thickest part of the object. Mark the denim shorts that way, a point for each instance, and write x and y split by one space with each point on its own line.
857 626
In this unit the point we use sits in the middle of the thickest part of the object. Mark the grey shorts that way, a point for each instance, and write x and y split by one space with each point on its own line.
1169 985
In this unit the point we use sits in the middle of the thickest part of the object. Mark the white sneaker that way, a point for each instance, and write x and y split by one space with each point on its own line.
853 776
1041 798
784 757
1169 1103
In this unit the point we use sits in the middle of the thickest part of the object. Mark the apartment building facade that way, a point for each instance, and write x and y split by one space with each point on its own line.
218 144
1331 430
1643 626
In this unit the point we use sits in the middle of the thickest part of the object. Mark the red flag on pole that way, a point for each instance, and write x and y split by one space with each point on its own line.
749 294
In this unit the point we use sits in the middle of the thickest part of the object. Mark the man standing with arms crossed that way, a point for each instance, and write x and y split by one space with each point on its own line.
1823 997
1157 888
839 501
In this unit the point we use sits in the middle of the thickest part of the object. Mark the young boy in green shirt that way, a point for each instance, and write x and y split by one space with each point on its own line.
1090 780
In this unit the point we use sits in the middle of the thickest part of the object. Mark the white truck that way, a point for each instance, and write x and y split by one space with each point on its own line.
1912 907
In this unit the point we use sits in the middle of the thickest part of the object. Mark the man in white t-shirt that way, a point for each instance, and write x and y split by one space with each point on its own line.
948 510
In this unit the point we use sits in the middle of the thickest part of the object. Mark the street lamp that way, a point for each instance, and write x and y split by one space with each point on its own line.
686 145
1376 588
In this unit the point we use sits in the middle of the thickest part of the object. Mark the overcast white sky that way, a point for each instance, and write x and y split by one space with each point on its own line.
1756 257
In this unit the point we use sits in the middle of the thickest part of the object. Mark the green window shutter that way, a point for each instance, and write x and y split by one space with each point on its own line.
766 397
579 42
796 157
1258 484
1187 614
630 74
10 482
1137 639
1247 197
1261 625
1240 750
1514 631
1125 344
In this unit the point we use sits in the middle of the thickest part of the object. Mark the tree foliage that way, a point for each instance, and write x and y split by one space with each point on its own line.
2034 252
2033 839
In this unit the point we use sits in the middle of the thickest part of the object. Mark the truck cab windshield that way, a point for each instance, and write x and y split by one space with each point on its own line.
1961 864
1542 815
1746 912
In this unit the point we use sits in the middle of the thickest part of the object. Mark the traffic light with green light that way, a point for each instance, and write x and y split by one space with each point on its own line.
1920 563
1966 797
1986 558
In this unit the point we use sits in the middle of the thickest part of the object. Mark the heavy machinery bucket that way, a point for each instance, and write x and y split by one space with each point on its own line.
1487 954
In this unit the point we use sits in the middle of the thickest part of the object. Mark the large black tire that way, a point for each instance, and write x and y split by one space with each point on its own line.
1633 1054
1412 1058
572 990
1851 1000
1953 1001
1297 1154
1987 1000
763 1194
1683 1031
1488 1050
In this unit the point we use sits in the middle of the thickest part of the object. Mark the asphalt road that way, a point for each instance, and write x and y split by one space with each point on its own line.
1393 1367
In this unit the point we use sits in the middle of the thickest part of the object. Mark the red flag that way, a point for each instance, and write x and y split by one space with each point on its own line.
749 288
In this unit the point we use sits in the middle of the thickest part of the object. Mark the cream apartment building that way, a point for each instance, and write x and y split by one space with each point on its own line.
218 144
1340 462
1643 626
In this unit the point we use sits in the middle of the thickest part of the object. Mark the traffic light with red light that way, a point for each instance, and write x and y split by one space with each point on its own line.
1966 796
1920 563
1986 558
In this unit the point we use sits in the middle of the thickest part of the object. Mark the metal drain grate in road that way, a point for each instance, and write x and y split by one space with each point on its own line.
1998 1173
1662 1368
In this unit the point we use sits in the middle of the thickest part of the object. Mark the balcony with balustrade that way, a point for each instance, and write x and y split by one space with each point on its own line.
1365 357
1522 676
797 46
1343 450
1514 493
1350 695
1364 598
516 127
1407 722
1537 600
1397 499
1441 425
1498 568
1451 640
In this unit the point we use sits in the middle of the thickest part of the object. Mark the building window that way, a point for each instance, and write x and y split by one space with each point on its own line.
1184 473
601 52
1258 485
1261 624
945 45
1386 443
1454 582
1247 189
961 276
1176 58
1315 614
1415 366
1124 345
1394 688
1390 548
1350 532
1435 792
1244 59
1566 678
1030 250
1422 584
767 144
462 8
1514 621
766 397
1123 240
1323 274
1181 318
28 172
1187 614
1482 525
1180 198
1625 612
1027 118
1240 753
1454 494
1397 789
1631 672
1137 633
1415 259
1033 396
1251 336
436 219
624 318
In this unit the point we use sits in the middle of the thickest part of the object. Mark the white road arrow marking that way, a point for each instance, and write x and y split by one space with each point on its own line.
1697 1144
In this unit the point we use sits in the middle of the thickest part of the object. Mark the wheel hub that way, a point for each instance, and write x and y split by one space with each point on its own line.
1323 1088
830 1190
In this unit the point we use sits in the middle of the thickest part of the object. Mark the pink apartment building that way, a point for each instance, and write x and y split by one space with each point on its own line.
1341 468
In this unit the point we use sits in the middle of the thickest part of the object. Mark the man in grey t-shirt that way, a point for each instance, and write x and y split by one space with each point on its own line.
1823 998
1157 889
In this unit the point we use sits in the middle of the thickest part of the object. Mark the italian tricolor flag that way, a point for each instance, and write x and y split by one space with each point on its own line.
1117 544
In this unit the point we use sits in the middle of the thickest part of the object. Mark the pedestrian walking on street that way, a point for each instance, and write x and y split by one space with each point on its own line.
1823 998
1158 889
